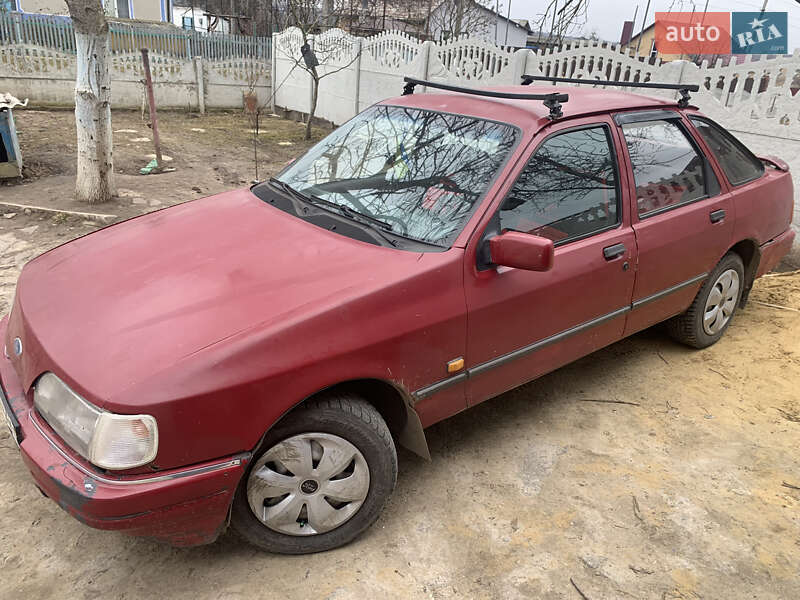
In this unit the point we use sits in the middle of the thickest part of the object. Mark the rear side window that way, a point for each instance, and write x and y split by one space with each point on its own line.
667 168
567 190
738 163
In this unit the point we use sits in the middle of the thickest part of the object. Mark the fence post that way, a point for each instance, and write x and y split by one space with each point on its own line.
17 29
357 71
519 61
425 60
311 87
201 86
273 74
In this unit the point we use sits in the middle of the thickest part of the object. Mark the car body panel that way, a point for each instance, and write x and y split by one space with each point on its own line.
510 309
156 301
220 315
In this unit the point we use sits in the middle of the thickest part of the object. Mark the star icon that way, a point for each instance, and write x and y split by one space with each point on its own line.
756 23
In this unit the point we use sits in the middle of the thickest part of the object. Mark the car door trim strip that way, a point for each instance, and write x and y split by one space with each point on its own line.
668 291
442 384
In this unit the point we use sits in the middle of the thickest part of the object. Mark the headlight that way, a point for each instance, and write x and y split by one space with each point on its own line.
105 439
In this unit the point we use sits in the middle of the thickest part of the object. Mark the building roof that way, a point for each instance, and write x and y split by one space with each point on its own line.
417 11
528 114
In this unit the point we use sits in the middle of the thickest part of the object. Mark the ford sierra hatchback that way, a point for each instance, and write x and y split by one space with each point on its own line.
253 358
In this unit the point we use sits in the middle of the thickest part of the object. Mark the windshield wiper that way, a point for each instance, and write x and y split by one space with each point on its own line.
373 223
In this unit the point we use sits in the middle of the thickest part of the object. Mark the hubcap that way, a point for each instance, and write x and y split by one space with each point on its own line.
721 302
308 484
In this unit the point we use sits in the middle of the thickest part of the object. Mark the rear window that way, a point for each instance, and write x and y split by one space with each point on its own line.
667 168
738 163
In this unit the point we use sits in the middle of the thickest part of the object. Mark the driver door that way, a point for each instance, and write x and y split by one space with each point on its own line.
522 324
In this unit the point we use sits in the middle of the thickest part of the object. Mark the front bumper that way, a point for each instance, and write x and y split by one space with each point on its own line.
185 507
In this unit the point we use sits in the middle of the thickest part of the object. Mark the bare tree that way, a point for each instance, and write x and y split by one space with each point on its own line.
453 18
560 19
95 179
322 59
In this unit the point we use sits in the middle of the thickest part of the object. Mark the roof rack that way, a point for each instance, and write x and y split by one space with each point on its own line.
683 88
551 101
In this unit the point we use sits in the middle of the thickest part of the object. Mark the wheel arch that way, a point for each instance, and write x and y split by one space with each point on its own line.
750 253
392 402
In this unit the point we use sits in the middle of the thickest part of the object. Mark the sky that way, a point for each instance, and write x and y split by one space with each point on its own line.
606 16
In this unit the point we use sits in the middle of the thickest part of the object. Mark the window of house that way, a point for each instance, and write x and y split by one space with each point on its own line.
667 169
738 163
567 190
123 9
188 23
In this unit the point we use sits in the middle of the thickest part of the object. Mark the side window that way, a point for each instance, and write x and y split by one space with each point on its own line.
738 163
567 190
667 169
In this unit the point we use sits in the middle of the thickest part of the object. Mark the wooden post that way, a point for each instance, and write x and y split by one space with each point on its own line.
201 85
357 71
148 81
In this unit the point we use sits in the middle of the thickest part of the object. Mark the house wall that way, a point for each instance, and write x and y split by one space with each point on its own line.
517 36
48 7
199 20
146 10
647 36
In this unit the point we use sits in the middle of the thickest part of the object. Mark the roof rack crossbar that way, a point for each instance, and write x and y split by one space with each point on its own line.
683 88
551 101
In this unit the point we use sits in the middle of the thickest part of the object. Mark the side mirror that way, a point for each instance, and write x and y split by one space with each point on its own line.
522 251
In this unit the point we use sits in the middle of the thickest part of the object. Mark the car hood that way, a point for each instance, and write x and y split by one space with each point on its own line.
107 310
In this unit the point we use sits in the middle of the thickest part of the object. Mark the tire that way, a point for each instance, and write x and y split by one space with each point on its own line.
692 328
326 432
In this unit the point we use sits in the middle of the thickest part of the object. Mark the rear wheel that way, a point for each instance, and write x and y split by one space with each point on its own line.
322 478
714 306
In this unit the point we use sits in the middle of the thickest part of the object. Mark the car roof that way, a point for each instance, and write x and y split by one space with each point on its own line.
528 113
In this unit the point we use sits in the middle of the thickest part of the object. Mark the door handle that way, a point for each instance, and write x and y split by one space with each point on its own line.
717 216
612 252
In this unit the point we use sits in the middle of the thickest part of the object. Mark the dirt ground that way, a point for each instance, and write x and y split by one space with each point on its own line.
691 491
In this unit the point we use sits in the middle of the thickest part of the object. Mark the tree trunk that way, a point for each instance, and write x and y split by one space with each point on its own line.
314 95
95 178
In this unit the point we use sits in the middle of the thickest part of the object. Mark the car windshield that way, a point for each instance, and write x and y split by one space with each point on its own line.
419 172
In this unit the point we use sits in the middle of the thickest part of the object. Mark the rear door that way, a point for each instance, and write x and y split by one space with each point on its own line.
522 324
682 217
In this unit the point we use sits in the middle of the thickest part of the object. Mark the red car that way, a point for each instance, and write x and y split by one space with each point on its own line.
252 358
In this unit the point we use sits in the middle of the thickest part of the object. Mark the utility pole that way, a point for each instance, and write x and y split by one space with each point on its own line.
508 20
497 12
644 20
628 43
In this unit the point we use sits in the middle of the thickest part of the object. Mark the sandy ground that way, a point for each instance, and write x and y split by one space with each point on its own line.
692 491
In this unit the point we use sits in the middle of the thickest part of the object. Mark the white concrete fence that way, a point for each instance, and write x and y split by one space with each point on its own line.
754 97
47 77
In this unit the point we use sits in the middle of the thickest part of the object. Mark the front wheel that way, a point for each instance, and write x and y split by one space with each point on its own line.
712 310
322 478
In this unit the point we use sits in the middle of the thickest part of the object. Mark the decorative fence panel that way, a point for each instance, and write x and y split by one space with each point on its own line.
751 97
56 33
